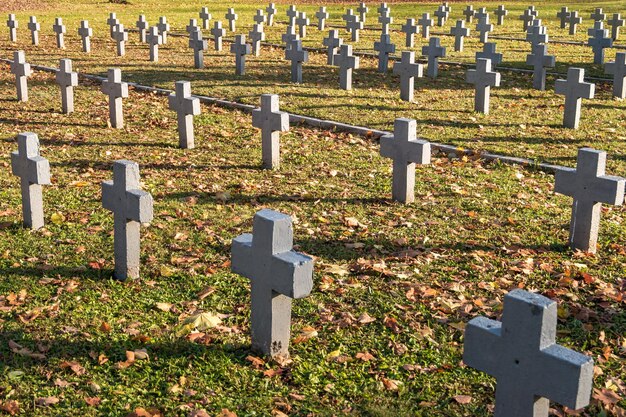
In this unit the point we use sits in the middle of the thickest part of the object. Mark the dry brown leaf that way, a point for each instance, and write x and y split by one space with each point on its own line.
46 401
226 413
463 399
93 401
74 366
11 406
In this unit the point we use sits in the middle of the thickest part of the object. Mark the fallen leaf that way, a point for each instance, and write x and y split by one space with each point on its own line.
46 401
93 401
11 406
462 399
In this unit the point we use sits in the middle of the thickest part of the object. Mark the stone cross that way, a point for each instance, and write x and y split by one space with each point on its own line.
489 52
67 80
321 15
278 275
589 185
574 89
385 20
410 29
85 32
205 16
615 22
617 68
384 48
522 354
527 17
540 59
34 28
348 17
480 13
256 36
405 151
484 27
442 15
112 21
34 171
199 45
332 43
433 51
232 17
469 13
240 48
597 15
537 34
563 16
59 29
302 21
192 26
164 28
186 107
21 69
599 40
383 9
121 37
130 206
297 56
271 12
290 35
362 9
154 40
346 63
259 17
218 33
271 121
574 20
355 25
483 79
117 91
142 26
446 6
292 13
426 23
500 13
12 24
459 31
407 69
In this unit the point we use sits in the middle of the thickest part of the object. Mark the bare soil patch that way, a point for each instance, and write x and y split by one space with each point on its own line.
22 5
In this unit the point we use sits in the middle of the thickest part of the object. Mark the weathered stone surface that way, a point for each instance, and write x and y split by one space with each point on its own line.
346 63
483 79
34 28
489 52
142 26
12 24
617 68
117 91
164 28
218 33
85 32
186 107
574 89
297 56
410 29
256 35
407 69
67 80
598 41
433 51
199 45
154 40
271 121
540 60
459 32
332 43
384 48
240 48
21 69
60 30
121 37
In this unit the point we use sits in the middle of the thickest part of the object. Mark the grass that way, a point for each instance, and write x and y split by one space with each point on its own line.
419 271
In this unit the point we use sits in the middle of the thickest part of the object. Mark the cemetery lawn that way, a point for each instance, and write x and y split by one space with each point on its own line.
382 332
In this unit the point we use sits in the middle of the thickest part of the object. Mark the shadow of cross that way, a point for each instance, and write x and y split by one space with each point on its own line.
278 274
130 207
21 69
590 187
117 91
405 151
186 107
34 171
271 121
522 354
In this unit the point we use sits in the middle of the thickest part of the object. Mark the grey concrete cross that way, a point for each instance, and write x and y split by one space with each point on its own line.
112 21
205 16
292 14
164 28
348 17
617 68
355 25
410 28
446 6
346 63
589 185
85 32
489 52
522 354
460 32
469 13
574 20
598 15
278 275
59 29
289 36
407 69
540 60
598 41
271 121
256 36
121 37
574 89
302 21
563 16
192 26
480 13
527 17
383 9
142 26
615 22
321 15
154 40
405 151
186 107
385 20
384 48
259 17
199 45
426 23
232 17
500 13
240 48
433 51
130 206
271 12
34 171
332 43
117 91
21 69
442 16
34 28
12 24
67 80
537 34
483 79
297 56
484 27
362 9
218 33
